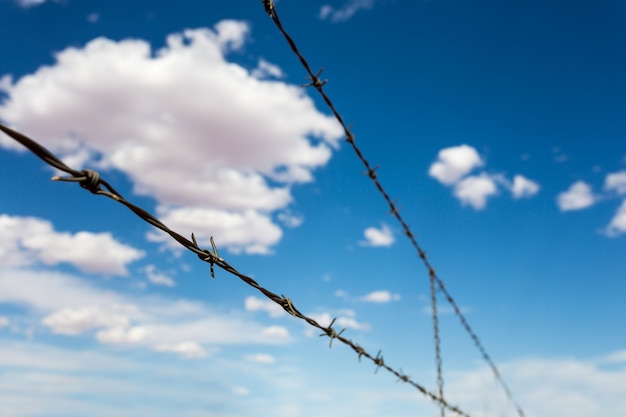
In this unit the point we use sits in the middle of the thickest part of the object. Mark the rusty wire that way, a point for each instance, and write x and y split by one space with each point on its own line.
91 181
316 82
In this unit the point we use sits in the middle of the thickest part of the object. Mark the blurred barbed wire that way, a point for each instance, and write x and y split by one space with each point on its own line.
371 171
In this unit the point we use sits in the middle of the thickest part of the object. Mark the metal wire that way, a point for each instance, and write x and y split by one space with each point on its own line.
91 181
317 83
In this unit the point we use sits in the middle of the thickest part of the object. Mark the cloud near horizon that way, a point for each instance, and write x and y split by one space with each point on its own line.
216 144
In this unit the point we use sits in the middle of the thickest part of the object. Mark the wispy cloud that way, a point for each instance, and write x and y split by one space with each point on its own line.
346 11
261 358
158 278
71 306
617 226
31 3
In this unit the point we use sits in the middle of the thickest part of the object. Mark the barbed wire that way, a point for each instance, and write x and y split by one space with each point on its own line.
317 83
91 181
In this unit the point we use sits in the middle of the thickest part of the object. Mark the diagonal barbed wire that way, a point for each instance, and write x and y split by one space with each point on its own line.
91 181
316 82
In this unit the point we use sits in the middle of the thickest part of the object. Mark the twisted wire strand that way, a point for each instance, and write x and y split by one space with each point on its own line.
317 83
91 181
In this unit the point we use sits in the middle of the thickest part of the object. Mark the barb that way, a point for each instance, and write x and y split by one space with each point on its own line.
91 181
316 83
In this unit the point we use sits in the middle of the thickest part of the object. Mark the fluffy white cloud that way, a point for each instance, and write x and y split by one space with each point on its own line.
617 226
616 182
453 163
26 240
380 297
577 197
252 303
249 231
346 11
189 350
523 187
4 322
378 237
190 128
475 190
261 358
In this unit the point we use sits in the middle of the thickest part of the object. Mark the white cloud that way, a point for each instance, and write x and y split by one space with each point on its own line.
378 237
616 182
617 226
73 321
453 163
523 187
346 11
4 322
188 127
261 358
546 387
252 303
266 69
380 297
71 306
49 291
189 350
278 332
248 231
577 197
122 335
26 240
475 190
289 219
158 278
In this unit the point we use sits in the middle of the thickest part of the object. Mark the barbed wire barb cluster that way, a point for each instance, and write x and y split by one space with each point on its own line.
318 84
91 181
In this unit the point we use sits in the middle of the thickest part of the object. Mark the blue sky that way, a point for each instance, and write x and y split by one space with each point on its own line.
497 126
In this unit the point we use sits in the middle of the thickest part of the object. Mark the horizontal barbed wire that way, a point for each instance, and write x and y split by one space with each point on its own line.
91 181
318 84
